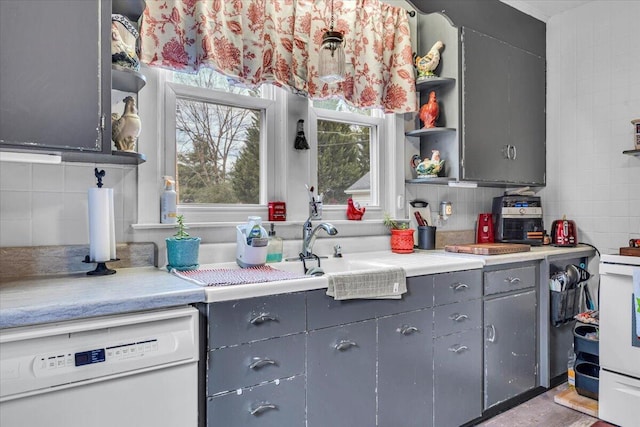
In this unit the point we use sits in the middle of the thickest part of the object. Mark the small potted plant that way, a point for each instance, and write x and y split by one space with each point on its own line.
182 249
401 235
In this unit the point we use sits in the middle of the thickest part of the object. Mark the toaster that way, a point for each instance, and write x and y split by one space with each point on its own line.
564 232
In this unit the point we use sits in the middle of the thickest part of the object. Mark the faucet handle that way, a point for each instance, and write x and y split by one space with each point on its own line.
337 251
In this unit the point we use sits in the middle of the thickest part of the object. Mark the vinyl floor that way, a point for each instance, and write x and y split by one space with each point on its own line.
541 411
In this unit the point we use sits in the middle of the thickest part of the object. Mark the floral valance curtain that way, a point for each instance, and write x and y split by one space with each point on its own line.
277 41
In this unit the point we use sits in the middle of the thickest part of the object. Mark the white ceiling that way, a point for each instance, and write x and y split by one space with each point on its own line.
544 9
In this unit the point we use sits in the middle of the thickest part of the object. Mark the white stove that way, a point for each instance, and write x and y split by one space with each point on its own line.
619 389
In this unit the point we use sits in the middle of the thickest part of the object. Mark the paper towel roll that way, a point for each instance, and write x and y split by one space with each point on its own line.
101 225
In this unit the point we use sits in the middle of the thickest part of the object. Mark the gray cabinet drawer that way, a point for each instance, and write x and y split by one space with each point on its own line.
273 405
457 378
323 311
509 280
457 286
231 368
457 317
242 321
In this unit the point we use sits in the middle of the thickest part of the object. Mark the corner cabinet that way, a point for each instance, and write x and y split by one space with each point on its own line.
56 79
492 125
503 112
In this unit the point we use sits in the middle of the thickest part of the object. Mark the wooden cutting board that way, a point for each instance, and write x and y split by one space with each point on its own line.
488 248
630 251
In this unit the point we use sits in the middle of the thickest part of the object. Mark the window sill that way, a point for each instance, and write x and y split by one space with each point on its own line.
226 225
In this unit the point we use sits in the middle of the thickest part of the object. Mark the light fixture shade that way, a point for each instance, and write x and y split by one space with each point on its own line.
331 60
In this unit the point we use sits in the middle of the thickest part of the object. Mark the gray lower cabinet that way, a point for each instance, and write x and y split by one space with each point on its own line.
457 348
510 341
341 376
405 370
457 378
276 404
510 346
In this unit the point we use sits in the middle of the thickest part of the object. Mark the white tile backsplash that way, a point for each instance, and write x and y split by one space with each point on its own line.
593 58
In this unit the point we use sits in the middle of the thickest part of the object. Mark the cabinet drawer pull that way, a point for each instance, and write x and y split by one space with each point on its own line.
261 407
458 286
491 337
263 317
260 362
512 280
458 317
343 345
458 348
407 330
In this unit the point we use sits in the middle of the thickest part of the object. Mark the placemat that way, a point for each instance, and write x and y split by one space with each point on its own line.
236 276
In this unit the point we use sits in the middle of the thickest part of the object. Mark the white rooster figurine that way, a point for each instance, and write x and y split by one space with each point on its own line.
428 63
126 128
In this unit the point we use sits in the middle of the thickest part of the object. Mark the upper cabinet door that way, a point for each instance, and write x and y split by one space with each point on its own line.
504 122
527 117
485 111
51 74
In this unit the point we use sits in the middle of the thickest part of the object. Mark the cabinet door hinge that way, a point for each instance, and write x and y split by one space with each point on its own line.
102 121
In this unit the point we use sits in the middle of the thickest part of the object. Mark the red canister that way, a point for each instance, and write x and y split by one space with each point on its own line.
484 232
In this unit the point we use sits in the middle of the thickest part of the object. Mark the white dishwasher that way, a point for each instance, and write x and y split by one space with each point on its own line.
135 369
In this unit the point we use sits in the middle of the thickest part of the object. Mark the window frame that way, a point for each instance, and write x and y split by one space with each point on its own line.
268 149
377 152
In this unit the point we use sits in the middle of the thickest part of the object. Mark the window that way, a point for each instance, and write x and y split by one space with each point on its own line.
219 135
348 152
354 153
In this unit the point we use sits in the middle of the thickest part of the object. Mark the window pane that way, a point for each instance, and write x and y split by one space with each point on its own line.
211 79
344 162
218 153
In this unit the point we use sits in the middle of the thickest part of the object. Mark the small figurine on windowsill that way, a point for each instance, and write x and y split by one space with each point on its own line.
427 64
354 211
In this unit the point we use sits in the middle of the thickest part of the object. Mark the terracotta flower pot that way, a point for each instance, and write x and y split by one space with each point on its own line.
402 241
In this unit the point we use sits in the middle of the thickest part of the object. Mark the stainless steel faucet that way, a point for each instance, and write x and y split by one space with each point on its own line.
309 235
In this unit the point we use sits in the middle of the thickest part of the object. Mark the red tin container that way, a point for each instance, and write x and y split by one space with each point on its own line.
277 211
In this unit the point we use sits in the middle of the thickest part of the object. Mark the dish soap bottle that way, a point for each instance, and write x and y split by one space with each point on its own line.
168 202
274 246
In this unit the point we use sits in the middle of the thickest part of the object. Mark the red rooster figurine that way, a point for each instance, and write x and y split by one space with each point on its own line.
430 111
354 211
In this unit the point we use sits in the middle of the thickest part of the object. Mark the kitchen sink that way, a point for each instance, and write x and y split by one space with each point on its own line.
322 266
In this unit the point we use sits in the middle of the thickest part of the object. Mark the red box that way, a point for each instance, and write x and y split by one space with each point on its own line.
277 211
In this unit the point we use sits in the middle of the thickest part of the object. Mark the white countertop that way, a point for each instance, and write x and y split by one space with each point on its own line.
43 300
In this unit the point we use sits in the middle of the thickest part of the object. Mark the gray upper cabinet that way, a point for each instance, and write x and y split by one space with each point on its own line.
503 112
52 68
56 79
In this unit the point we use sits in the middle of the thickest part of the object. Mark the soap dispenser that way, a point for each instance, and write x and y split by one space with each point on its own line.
274 246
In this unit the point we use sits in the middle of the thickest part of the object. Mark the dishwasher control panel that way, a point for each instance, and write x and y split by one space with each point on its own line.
114 353
44 357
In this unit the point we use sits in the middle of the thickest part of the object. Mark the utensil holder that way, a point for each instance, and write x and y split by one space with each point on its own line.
426 237
564 305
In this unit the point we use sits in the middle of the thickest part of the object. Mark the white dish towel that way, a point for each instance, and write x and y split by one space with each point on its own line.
387 283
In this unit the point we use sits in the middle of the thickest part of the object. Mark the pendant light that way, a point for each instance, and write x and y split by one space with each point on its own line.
331 61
